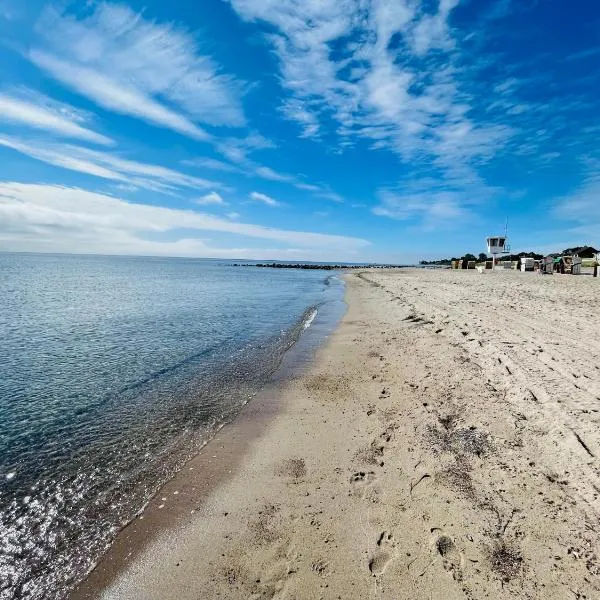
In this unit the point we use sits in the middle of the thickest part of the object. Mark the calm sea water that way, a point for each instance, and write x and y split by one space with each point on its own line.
114 371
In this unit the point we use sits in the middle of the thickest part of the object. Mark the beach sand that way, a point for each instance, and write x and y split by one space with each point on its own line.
444 444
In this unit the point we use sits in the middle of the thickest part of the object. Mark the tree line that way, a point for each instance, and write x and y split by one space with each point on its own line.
582 251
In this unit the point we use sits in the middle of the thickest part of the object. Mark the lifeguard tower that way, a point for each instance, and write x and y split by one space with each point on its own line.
496 246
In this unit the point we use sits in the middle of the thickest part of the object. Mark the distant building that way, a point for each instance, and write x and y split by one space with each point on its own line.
581 251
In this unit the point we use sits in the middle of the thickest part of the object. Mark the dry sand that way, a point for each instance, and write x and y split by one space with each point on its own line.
445 444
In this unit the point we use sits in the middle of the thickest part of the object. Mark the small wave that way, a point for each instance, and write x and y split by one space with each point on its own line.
310 318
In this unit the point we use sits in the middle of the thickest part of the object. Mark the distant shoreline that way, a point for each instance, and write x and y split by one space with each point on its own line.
322 267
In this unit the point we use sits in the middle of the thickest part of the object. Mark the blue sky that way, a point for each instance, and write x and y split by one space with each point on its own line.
379 130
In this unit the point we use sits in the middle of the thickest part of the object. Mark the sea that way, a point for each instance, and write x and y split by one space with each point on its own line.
114 371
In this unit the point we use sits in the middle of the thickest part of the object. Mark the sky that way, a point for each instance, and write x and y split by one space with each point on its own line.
329 130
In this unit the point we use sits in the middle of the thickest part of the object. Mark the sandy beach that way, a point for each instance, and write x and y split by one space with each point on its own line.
444 444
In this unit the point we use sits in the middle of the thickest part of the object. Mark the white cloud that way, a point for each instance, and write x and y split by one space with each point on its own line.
138 67
579 211
61 156
210 198
398 75
431 31
432 209
213 164
328 195
237 150
583 54
270 174
106 165
116 96
583 205
258 197
41 112
386 71
309 187
233 215
55 218
126 187
294 110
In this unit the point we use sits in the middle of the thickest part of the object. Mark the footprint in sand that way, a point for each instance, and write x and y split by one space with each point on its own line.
386 549
388 434
273 581
321 567
361 480
452 558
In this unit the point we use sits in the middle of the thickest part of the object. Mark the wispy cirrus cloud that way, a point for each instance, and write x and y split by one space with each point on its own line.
238 149
272 175
24 107
249 168
264 199
416 78
320 191
294 110
210 198
582 205
106 165
212 164
430 203
137 67
382 70
583 54
113 95
388 72
431 210
58 218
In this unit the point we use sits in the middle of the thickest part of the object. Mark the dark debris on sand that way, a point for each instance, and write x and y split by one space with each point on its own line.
506 561
468 440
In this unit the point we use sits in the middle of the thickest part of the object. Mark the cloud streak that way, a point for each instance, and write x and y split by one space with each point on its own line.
388 73
213 165
116 96
106 165
210 198
40 112
137 67
264 199
432 210
76 220
382 82
251 169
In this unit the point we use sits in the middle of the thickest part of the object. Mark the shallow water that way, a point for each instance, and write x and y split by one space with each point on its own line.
113 371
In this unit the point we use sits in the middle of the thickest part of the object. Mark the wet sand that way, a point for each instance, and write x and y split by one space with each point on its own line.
443 445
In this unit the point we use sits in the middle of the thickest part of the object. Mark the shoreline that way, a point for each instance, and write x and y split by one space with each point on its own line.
439 446
181 496
216 461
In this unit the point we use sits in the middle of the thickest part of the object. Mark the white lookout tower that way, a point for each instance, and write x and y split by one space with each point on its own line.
497 245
